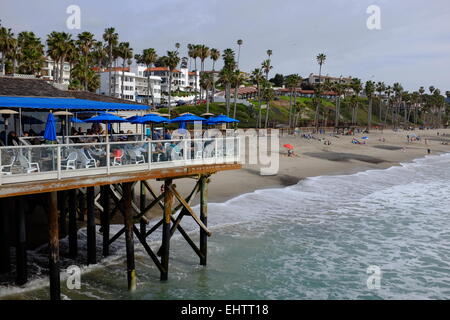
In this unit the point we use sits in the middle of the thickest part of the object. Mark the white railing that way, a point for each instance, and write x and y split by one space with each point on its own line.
59 161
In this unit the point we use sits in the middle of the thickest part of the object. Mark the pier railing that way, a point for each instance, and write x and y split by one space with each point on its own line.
58 161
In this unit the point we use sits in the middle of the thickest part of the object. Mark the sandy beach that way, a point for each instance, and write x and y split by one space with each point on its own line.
314 158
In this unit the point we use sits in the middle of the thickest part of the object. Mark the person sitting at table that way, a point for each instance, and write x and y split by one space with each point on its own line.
158 153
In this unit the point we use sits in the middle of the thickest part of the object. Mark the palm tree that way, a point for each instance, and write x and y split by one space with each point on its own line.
6 37
203 54
206 82
238 79
226 75
237 82
126 53
268 95
31 53
172 62
257 78
398 89
111 38
339 88
292 82
388 92
320 60
357 87
380 87
85 42
214 55
266 67
148 57
369 89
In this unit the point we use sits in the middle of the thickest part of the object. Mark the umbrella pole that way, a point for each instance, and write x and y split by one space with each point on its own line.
20 122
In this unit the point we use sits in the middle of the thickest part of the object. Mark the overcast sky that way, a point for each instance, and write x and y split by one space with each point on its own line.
412 47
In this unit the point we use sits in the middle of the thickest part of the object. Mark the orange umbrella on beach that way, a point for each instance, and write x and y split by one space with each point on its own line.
289 146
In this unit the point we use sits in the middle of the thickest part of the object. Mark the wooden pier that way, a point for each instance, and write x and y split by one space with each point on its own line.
67 199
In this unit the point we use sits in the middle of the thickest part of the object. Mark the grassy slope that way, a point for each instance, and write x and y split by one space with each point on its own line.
279 111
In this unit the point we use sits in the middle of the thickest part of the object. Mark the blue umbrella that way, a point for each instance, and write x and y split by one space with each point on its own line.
76 120
188 117
365 138
149 118
50 128
107 118
221 119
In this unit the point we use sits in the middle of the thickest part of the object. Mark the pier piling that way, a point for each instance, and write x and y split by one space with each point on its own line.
5 255
105 219
90 229
129 236
73 239
55 290
165 246
203 218
143 224
21 245
62 213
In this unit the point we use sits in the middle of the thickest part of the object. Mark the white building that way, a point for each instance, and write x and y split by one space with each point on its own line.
134 84
49 69
182 79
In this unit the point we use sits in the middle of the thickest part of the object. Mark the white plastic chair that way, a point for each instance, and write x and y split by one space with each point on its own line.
27 165
86 160
13 159
135 156
118 160
71 161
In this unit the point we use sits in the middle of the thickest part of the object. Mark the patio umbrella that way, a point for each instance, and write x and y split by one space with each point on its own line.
76 120
221 119
50 128
149 118
106 118
187 117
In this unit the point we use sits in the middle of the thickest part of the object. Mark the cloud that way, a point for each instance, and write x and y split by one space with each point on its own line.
412 47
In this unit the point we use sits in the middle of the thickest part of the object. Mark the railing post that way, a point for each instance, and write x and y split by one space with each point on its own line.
58 159
185 153
108 159
150 155
216 149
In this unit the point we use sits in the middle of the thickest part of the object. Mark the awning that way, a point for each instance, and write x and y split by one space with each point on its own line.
65 103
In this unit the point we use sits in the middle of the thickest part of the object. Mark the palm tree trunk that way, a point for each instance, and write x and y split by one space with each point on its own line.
369 119
61 71
259 103
290 110
267 114
170 92
110 69
235 101
214 82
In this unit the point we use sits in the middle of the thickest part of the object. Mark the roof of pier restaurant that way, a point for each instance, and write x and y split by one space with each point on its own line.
37 93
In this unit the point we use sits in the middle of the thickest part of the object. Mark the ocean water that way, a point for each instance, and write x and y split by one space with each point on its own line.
313 240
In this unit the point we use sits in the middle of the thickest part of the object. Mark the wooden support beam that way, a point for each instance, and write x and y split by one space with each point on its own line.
188 240
90 229
81 205
62 204
5 255
148 249
156 226
73 230
105 219
55 290
204 218
117 236
191 212
143 223
129 239
21 243
168 198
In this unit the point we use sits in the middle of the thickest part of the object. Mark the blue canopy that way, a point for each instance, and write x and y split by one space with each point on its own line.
76 120
65 103
106 118
50 128
188 117
150 118
220 119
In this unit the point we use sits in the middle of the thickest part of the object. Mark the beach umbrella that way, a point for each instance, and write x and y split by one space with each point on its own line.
289 146
221 119
106 118
187 117
149 118
50 128
76 120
